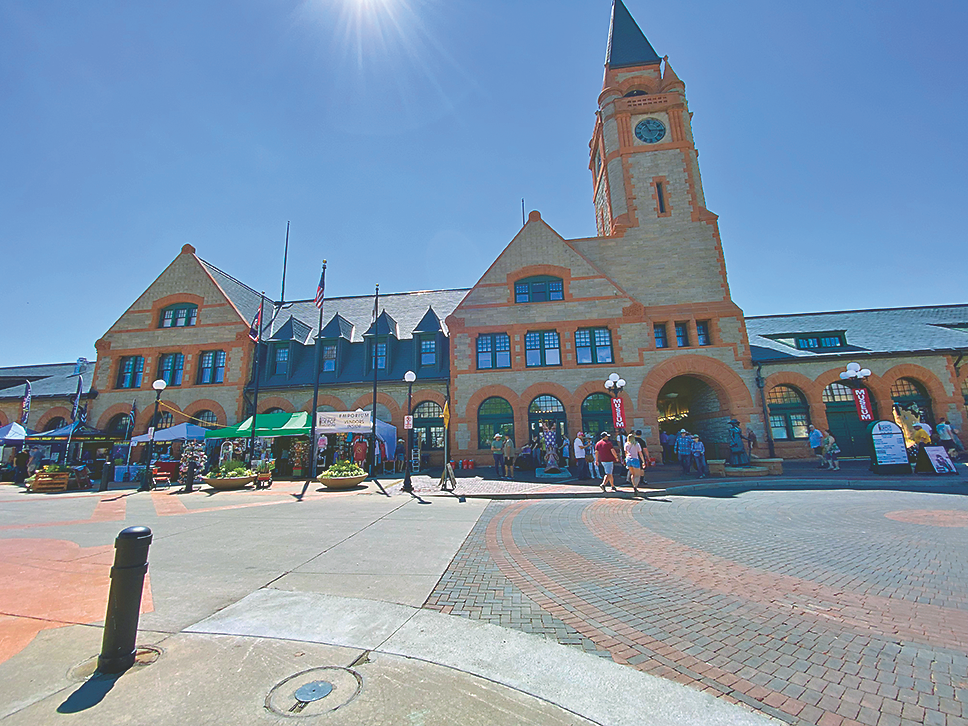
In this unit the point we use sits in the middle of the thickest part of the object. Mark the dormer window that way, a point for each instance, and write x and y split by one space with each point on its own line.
329 357
280 360
428 352
378 354
539 289
823 341
183 315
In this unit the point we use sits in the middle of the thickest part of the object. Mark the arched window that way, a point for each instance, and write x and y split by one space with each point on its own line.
547 408
428 425
55 423
163 420
596 414
120 425
789 416
274 410
910 396
206 418
180 315
495 416
382 412
542 288
837 393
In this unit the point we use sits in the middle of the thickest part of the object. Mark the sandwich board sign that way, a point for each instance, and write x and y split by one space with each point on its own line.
934 460
888 449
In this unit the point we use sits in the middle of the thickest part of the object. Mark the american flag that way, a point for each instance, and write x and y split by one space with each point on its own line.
321 288
254 329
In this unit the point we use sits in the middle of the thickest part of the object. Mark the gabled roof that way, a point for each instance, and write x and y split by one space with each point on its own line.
886 330
241 295
292 329
338 327
429 323
627 44
384 325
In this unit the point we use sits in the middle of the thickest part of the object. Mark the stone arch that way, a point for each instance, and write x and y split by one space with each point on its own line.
811 390
547 388
145 416
493 391
111 412
426 394
56 412
932 384
276 402
206 404
3 419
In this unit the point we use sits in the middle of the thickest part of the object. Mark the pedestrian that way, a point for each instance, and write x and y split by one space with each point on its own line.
921 437
699 456
684 450
633 460
830 451
948 436
580 464
565 453
606 455
20 466
815 438
589 445
497 447
35 462
507 451
646 457
751 439
666 441
399 456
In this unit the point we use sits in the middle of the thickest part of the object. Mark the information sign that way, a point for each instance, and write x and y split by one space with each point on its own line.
890 454
862 399
935 459
407 423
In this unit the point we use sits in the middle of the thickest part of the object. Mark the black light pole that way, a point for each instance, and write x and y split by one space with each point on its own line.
761 384
159 386
409 377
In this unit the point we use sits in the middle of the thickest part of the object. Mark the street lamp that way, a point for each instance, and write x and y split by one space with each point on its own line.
409 377
159 386
614 385
854 375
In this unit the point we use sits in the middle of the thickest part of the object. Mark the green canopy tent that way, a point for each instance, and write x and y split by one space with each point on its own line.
267 425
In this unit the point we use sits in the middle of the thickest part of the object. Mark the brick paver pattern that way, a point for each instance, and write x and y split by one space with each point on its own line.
816 607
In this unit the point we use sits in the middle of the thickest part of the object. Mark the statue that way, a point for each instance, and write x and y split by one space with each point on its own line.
550 437
737 450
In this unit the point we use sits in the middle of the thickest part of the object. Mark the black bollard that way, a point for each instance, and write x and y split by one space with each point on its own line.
124 600
189 476
107 475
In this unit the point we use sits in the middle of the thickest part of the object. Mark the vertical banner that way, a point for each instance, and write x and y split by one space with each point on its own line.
618 412
862 399
25 406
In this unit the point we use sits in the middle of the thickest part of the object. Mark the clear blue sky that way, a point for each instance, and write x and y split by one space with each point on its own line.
399 137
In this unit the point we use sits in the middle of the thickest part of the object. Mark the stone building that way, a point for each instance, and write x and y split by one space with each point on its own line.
53 389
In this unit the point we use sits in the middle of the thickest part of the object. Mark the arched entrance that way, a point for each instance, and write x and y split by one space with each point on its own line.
688 402
596 414
911 404
547 408
843 422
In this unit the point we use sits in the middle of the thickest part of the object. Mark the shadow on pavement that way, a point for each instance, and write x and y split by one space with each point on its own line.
728 491
90 693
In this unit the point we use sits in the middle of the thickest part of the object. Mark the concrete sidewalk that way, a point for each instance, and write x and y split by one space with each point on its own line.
329 590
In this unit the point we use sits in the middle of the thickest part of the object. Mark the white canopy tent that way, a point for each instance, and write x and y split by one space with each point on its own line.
357 422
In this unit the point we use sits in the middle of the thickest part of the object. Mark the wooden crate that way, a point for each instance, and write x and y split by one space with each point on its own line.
50 481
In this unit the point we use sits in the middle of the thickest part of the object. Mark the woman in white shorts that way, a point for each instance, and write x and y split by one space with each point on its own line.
634 461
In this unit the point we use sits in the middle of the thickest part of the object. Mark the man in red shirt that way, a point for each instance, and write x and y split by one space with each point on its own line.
360 448
606 456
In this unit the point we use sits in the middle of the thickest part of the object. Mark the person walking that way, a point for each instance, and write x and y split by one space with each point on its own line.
666 441
699 456
684 450
580 464
948 436
593 471
815 439
751 439
830 451
35 461
507 451
20 466
606 455
634 457
497 447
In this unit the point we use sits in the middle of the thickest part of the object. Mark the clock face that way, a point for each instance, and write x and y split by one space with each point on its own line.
650 130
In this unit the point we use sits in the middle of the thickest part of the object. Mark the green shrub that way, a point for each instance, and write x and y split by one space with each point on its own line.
343 468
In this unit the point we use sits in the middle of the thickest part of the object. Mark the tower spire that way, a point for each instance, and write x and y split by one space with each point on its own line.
627 44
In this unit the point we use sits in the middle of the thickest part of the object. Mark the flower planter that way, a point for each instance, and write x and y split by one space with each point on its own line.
341 482
228 483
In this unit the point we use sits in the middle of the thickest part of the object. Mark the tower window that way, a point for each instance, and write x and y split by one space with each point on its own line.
660 197
178 316
682 335
539 289
702 333
659 330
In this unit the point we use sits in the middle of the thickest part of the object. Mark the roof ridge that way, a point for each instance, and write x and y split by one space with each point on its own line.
370 296
861 310
231 277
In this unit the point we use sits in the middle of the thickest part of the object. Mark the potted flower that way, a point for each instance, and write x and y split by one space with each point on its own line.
342 475
230 475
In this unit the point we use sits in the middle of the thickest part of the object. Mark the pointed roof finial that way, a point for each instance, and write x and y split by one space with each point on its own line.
669 77
627 44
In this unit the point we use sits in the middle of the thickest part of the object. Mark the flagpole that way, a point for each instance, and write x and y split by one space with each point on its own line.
255 395
285 259
376 338
313 451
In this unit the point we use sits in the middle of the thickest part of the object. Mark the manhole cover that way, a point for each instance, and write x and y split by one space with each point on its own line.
314 692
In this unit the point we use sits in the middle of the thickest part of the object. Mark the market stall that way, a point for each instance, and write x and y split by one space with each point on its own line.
169 449
74 444
11 440
336 430
282 437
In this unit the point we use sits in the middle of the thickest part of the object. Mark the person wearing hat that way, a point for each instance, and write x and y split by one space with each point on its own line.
507 451
606 455
920 436
737 449
684 450
497 451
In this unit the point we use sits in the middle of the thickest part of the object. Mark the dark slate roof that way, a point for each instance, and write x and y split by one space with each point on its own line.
384 325
430 323
292 329
407 309
338 327
886 330
242 296
61 383
627 44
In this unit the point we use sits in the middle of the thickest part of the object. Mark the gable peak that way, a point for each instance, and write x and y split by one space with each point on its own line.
627 44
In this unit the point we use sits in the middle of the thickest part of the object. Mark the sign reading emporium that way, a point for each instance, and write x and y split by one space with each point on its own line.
353 421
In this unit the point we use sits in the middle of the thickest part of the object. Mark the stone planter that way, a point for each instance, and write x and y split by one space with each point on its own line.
341 482
229 483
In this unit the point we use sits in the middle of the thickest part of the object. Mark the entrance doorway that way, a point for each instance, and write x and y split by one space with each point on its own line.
596 415
547 408
843 422
689 403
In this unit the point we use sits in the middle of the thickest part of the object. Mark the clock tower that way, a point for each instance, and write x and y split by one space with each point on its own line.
645 175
